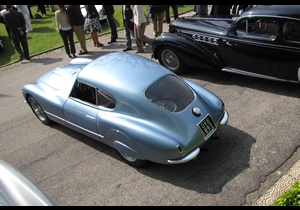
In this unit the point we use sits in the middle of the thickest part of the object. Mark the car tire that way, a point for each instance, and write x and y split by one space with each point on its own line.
132 161
38 111
169 57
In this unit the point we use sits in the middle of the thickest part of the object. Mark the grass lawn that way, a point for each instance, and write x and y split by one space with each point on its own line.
45 36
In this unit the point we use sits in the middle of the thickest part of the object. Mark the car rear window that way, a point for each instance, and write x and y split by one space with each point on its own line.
170 93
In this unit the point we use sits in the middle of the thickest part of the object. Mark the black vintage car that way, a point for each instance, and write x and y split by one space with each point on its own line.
264 42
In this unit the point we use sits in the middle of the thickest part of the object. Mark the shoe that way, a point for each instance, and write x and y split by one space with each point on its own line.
139 52
21 59
81 52
74 55
100 45
126 49
111 42
70 56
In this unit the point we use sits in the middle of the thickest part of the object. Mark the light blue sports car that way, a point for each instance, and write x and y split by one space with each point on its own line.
131 103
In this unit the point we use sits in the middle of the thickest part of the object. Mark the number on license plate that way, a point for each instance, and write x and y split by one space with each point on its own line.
206 126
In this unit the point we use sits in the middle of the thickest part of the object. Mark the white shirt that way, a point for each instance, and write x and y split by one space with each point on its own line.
138 15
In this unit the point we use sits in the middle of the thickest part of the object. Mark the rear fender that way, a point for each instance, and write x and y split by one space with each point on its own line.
191 52
122 143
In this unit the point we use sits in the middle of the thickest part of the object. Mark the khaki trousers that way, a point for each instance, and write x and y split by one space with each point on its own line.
158 20
140 37
79 31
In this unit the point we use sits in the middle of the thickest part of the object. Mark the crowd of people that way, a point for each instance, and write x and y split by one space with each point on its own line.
69 19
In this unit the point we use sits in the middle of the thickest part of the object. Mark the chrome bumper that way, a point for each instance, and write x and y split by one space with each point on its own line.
186 158
225 118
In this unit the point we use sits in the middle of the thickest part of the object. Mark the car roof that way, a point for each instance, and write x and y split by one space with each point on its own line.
274 10
122 72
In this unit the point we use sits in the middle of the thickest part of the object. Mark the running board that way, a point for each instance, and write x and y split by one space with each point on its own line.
237 71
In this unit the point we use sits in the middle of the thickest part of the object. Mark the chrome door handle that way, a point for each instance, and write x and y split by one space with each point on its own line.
88 116
227 42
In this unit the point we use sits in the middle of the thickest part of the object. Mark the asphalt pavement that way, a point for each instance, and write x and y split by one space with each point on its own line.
255 159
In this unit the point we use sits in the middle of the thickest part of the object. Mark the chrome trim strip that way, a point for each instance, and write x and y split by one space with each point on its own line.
77 126
54 116
201 37
186 158
237 71
272 16
251 42
96 134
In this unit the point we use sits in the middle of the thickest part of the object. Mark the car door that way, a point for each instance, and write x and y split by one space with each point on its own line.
252 46
81 110
289 50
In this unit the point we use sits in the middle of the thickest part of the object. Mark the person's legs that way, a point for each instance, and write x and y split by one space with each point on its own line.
154 22
71 40
16 44
160 23
127 35
112 26
65 40
142 35
28 22
79 31
23 40
137 40
175 11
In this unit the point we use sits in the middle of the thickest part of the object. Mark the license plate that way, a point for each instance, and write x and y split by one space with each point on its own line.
207 127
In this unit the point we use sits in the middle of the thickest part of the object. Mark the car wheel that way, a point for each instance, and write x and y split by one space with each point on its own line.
38 111
169 57
132 161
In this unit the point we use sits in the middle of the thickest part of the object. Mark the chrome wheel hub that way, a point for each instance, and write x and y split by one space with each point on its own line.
170 59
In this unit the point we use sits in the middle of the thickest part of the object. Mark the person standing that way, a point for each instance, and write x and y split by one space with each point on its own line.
77 22
43 10
109 12
128 25
16 24
24 10
92 24
140 24
64 27
158 19
201 10
175 12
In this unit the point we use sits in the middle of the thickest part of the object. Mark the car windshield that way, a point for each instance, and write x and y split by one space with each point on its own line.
170 93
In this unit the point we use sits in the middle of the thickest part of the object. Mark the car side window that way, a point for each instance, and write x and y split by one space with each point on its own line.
258 28
291 31
84 92
105 100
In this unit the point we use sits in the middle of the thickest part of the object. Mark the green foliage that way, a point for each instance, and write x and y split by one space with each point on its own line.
45 36
289 197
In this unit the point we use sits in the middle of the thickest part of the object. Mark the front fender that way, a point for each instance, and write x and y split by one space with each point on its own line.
191 52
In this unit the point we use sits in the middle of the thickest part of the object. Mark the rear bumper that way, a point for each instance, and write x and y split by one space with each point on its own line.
225 118
186 158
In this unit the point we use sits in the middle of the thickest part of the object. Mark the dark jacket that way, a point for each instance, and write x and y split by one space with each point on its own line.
91 11
158 8
128 17
108 9
75 15
14 20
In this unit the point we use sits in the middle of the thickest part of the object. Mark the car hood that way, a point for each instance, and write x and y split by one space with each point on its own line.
216 26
